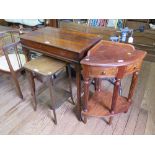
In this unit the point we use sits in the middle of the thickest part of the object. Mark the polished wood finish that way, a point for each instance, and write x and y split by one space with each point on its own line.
145 41
60 43
52 22
142 40
105 33
133 84
109 59
69 46
118 54
100 104
136 23
146 38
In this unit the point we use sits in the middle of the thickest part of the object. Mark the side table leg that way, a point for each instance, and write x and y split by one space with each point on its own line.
98 83
78 84
133 86
86 97
114 98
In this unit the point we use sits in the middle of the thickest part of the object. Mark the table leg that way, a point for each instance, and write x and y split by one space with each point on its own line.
98 83
78 84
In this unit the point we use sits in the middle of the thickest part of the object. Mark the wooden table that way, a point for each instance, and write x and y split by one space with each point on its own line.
69 46
109 60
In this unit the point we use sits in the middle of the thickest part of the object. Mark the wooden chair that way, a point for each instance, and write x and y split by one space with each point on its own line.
46 68
12 58
109 60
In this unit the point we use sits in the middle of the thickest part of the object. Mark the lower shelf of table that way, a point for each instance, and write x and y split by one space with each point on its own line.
99 104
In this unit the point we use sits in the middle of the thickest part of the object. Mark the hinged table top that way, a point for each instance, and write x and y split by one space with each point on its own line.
63 39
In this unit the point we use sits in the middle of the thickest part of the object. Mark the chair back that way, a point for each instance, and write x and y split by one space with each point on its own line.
11 49
10 36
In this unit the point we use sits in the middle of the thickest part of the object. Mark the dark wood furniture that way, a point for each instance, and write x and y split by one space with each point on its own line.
136 23
46 68
12 58
51 22
69 46
142 40
104 32
145 41
109 59
3 22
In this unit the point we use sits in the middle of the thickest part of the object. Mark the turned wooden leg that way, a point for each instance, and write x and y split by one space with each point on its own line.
98 84
86 97
78 84
110 120
50 82
112 81
115 94
32 87
84 119
114 98
133 85
120 89
126 111
70 82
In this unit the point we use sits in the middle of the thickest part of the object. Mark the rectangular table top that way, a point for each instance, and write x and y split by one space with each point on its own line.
63 39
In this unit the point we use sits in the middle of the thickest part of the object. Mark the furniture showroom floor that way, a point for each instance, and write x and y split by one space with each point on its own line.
18 117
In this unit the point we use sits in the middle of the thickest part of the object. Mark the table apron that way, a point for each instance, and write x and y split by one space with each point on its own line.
52 52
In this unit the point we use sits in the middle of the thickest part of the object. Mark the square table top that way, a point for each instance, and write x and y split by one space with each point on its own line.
64 39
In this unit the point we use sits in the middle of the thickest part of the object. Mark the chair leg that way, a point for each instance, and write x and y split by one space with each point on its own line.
17 85
52 99
70 82
55 117
32 86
